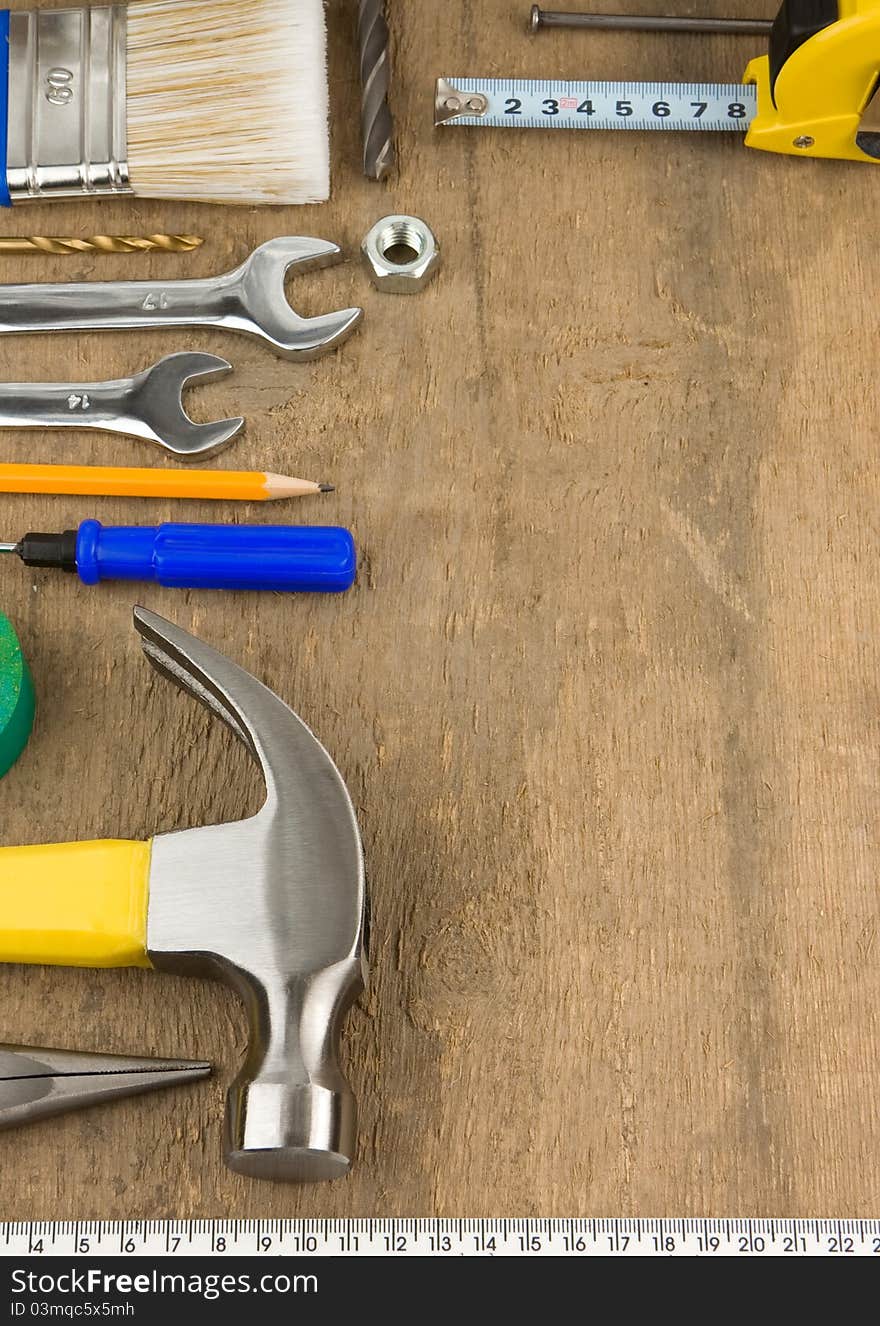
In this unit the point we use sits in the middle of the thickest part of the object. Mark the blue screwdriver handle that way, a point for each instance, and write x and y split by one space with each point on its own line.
275 557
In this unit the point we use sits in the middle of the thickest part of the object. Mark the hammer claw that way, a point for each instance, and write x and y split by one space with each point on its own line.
192 666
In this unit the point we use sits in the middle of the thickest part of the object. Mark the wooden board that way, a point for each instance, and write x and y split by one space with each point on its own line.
605 694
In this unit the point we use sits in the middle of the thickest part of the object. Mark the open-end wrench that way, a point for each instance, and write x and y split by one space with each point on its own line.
148 405
250 299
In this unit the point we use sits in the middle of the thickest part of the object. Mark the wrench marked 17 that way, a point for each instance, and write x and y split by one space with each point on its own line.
251 300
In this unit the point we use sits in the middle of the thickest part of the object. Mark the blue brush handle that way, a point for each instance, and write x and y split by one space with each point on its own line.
275 557
5 200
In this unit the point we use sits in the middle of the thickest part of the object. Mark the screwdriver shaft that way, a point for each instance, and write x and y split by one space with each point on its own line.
546 18
99 244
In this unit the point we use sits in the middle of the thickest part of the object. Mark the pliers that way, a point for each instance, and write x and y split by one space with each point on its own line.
37 1083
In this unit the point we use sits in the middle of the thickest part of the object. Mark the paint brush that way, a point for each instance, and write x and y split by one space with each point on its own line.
221 101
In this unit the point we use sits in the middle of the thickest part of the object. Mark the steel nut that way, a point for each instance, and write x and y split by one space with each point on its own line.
401 254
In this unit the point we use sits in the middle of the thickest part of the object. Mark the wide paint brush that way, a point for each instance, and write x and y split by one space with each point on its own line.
223 101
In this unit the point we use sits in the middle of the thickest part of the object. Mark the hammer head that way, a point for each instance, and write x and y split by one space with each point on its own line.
274 906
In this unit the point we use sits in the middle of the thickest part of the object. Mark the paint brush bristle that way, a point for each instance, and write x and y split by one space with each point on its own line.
227 100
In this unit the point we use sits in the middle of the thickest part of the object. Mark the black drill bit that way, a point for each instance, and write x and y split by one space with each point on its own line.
377 126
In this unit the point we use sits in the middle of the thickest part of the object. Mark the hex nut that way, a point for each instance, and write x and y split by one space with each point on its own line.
401 278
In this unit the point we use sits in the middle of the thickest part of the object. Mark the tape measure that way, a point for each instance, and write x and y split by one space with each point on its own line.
815 93
438 1237
539 104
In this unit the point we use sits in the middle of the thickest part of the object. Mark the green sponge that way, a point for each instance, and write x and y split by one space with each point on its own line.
16 698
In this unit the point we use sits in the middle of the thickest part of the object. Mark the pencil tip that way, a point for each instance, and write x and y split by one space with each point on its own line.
326 488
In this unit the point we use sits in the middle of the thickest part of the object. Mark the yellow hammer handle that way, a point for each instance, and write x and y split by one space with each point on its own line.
75 904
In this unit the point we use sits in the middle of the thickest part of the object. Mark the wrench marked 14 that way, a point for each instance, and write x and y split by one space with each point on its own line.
148 405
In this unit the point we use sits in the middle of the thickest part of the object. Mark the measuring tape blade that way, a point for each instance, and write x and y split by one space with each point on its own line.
537 104
437 1237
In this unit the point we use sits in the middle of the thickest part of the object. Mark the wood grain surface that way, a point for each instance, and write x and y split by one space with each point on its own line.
605 693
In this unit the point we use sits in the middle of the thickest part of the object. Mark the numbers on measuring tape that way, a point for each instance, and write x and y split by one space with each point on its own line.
513 106
537 1237
624 108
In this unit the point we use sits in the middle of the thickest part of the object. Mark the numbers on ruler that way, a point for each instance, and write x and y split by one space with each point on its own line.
449 1237
624 108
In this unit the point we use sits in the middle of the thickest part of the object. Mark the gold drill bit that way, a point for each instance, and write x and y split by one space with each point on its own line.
100 244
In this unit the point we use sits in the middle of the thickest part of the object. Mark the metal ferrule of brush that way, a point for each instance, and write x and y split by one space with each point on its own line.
66 135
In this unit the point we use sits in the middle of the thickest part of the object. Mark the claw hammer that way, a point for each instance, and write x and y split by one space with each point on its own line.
273 906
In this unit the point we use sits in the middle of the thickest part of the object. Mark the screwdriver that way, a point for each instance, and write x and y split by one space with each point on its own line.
318 558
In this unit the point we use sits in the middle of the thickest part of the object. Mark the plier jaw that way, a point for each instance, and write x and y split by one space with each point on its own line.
39 1083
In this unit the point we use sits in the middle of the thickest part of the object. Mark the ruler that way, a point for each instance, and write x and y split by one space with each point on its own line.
441 1238
538 104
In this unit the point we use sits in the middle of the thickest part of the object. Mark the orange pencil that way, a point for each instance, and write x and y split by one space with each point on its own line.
117 481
